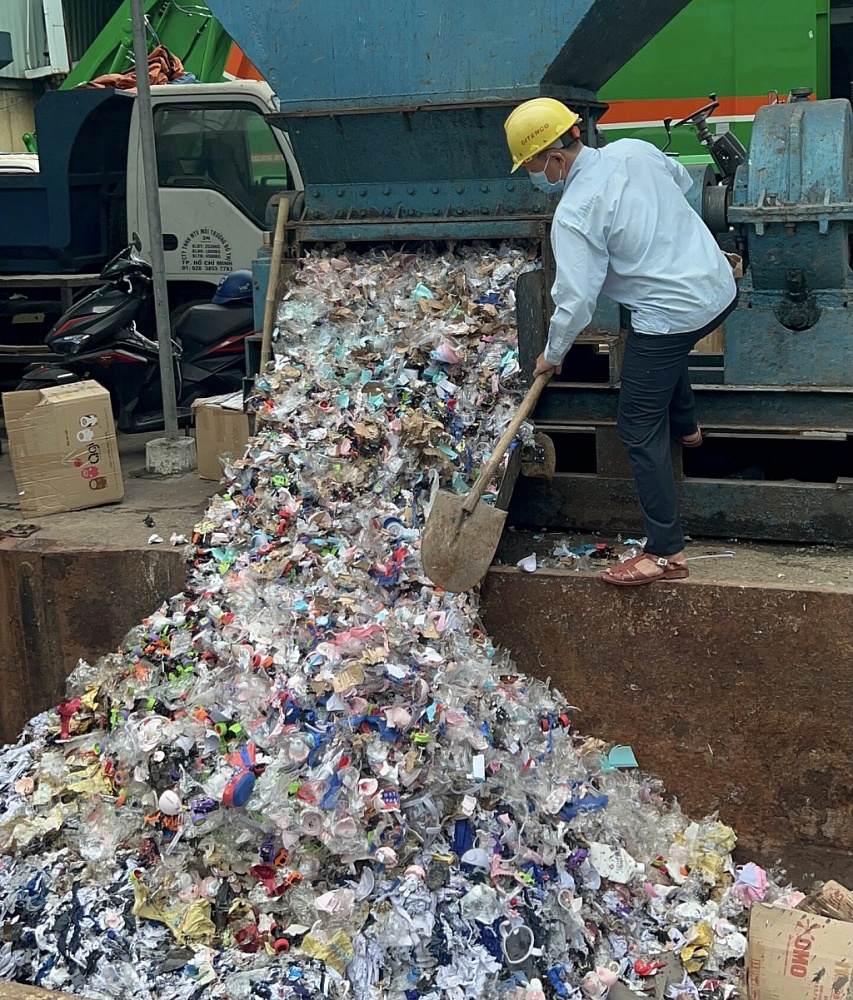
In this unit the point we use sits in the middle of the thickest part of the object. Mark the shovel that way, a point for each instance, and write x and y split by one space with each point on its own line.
461 534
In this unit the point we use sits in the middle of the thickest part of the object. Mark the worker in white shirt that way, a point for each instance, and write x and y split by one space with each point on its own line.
624 228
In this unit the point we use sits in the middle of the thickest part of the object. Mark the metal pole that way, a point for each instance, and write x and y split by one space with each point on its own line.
151 188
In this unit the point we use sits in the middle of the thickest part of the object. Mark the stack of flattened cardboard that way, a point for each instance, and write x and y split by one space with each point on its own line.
806 953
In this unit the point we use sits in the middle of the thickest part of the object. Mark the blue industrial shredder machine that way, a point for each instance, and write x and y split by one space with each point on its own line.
395 112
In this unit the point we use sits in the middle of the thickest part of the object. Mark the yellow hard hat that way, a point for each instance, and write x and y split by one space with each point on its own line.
534 125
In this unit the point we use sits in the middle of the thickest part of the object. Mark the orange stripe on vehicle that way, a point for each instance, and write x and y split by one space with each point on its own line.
679 107
238 66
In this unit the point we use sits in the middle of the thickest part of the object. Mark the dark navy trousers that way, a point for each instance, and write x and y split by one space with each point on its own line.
656 404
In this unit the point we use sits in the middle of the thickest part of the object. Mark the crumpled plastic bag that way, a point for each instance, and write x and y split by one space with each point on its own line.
189 923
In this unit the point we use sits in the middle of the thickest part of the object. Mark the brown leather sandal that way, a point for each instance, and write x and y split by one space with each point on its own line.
626 574
691 440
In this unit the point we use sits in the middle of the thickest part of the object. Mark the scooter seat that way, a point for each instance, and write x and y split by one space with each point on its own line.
207 323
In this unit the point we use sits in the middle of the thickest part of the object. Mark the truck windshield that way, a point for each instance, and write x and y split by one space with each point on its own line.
229 149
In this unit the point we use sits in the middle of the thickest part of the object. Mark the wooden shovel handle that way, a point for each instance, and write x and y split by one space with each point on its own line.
491 467
272 282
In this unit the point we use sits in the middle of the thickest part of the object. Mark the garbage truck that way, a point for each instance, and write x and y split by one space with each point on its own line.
222 167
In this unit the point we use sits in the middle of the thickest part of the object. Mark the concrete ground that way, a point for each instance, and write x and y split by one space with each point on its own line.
175 503
755 563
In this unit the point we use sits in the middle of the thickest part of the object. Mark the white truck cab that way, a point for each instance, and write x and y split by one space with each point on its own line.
220 164
19 163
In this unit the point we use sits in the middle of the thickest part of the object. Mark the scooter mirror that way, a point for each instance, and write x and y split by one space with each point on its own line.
135 241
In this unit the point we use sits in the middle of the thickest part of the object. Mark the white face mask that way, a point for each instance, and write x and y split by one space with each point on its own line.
539 180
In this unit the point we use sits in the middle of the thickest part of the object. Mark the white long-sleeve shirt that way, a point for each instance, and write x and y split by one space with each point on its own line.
624 228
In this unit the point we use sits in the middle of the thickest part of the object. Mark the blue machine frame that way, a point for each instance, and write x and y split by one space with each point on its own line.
396 111
794 204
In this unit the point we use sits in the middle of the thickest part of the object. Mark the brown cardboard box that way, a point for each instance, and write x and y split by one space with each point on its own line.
221 428
715 342
63 446
795 955
831 900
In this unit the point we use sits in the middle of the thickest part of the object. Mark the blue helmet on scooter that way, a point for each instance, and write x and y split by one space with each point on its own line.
234 287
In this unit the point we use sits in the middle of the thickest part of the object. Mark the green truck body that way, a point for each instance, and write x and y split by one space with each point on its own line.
189 31
738 49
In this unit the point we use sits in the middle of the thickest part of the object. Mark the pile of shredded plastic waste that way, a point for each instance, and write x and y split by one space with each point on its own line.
311 773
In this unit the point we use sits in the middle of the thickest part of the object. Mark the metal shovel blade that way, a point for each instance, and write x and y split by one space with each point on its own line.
457 548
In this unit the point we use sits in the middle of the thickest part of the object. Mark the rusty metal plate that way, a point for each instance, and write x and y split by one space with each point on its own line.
738 695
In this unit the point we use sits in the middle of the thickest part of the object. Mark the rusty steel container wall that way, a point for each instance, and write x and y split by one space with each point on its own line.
324 55
58 605
22 991
737 696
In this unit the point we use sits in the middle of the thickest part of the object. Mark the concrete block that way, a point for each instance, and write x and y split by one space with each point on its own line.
170 458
